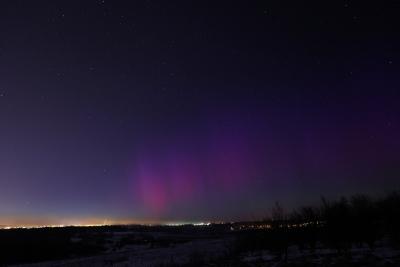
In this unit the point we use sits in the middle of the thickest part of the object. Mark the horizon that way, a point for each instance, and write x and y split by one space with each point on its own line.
55 221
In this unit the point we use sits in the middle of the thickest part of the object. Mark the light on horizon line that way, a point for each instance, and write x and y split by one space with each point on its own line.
96 225
188 223
50 226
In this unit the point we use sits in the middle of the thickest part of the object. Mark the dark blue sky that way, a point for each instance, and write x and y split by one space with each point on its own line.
193 110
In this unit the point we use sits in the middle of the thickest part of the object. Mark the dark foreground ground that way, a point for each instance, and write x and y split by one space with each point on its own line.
355 231
214 245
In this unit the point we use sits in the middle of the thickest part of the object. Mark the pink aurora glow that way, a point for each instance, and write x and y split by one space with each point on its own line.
186 170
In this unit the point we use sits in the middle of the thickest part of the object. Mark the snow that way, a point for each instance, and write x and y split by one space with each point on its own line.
209 249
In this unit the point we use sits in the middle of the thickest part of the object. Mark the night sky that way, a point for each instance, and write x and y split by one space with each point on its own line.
166 111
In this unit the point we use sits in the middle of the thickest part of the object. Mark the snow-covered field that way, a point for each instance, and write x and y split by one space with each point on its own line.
140 256
202 250
146 255
363 256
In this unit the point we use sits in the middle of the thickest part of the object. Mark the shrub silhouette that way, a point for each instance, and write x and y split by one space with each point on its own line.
389 214
339 224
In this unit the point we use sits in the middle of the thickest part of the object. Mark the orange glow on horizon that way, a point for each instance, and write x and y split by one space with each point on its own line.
36 222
